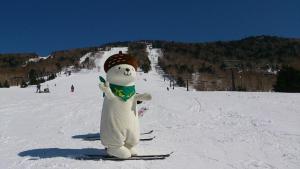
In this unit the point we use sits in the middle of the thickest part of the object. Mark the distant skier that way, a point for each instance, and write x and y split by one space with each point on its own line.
72 88
38 88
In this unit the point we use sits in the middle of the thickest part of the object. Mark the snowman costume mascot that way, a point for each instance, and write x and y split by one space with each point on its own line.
119 127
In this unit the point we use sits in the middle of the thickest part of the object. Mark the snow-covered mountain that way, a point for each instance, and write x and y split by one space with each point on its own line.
211 130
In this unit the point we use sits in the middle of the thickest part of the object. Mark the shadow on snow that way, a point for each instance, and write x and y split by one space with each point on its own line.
58 152
88 137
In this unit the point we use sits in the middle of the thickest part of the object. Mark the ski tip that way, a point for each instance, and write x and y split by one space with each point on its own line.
168 154
149 132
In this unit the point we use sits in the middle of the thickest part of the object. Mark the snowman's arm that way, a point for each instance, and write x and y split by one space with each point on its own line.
106 89
143 97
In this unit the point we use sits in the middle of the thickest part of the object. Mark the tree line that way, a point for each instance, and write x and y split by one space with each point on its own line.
252 62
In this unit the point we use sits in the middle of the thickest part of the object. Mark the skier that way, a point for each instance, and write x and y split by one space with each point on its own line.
38 88
72 88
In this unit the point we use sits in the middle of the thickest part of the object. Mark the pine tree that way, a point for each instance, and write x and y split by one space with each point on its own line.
180 82
32 77
1 85
288 80
52 76
23 84
145 68
6 84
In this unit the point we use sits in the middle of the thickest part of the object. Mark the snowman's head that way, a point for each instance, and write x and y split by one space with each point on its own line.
121 69
123 75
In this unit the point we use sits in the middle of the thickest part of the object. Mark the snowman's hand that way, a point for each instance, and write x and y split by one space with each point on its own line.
102 87
143 97
106 89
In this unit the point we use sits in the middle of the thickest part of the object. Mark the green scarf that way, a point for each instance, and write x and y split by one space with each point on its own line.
124 92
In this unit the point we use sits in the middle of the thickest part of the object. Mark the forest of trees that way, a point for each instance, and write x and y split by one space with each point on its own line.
138 50
252 62
249 64
16 68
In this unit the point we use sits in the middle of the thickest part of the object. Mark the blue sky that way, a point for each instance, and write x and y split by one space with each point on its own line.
43 26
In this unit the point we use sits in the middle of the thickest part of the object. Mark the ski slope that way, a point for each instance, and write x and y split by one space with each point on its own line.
207 130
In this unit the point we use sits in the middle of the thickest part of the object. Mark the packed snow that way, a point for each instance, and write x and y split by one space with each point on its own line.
209 130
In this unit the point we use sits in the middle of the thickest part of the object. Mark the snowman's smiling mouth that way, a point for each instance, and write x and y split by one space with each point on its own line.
127 73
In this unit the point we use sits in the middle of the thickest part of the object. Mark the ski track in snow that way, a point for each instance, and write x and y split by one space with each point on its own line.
211 130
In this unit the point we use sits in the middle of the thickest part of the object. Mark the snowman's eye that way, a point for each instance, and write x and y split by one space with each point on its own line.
119 67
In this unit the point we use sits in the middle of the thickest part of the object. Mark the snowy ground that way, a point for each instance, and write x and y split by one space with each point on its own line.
209 130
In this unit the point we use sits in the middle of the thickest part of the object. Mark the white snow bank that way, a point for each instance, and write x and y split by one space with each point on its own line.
209 130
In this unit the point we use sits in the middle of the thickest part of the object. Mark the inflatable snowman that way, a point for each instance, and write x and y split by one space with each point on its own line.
119 127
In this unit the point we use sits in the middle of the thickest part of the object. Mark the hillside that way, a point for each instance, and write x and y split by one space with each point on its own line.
18 68
211 130
249 64
252 62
